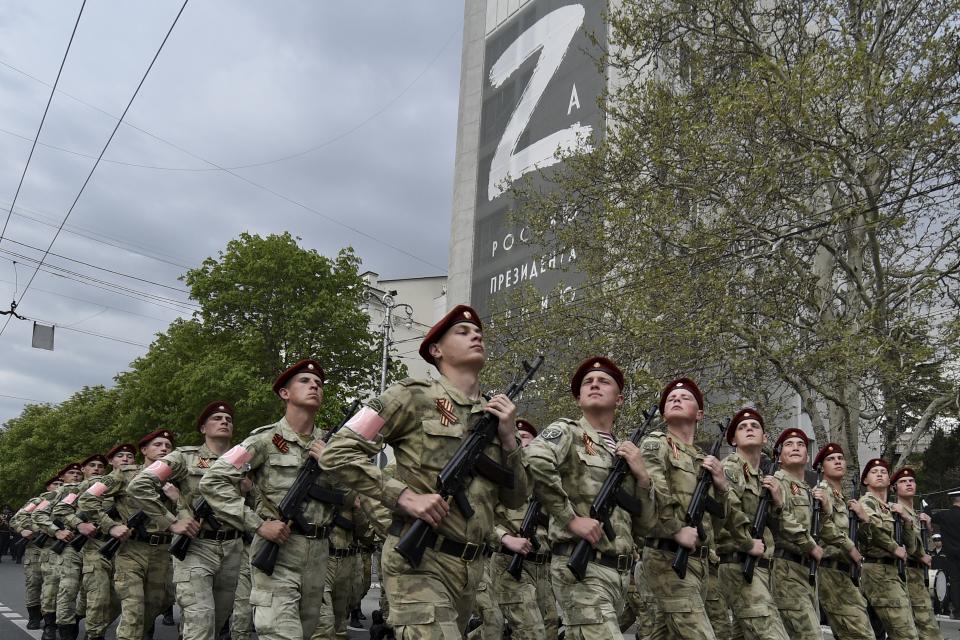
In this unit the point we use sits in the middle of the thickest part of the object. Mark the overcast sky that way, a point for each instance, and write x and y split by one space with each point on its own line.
348 108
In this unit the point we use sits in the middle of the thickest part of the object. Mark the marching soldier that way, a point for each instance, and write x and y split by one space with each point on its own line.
69 609
845 606
103 604
206 579
528 605
43 519
754 610
569 462
286 604
32 563
674 462
880 583
424 420
796 598
904 482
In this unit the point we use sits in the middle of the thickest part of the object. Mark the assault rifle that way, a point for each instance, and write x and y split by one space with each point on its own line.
79 540
455 477
815 523
204 514
853 528
898 538
17 547
924 539
700 502
59 546
291 507
760 517
528 530
136 523
41 540
610 496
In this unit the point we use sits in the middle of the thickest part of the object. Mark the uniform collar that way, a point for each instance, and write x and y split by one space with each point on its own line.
289 434
744 464
205 452
594 434
459 396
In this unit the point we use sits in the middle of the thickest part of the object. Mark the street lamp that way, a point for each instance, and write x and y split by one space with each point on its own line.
389 304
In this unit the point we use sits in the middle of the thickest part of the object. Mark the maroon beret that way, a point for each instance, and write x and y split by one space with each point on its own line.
792 433
123 446
524 425
874 462
97 456
307 365
903 472
681 383
217 406
159 433
595 363
826 450
747 413
52 480
73 466
460 313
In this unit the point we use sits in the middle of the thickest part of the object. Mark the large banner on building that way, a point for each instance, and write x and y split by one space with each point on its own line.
541 86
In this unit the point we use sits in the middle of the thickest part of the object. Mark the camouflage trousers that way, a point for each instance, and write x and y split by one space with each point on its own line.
32 576
51 579
206 585
754 612
590 607
241 623
433 601
339 594
681 612
889 599
919 592
366 568
528 605
796 600
845 606
640 607
717 606
142 578
103 604
286 605
71 600
488 608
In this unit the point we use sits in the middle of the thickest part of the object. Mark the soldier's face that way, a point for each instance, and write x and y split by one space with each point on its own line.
749 433
121 459
462 344
598 390
73 475
878 478
834 465
525 437
53 486
93 468
218 425
682 405
156 449
906 487
794 451
303 390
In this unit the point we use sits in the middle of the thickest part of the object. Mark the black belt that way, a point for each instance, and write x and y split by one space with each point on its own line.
889 561
836 564
740 557
344 553
783 554
221 535
314 530
665 544
155 539
535 558
466 551
621 563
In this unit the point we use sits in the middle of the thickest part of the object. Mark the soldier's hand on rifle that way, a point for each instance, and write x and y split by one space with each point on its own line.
757 548
926 559
817 553
429 507
896 507
900 553
186 527
687 537
87 528
275 531
64 534
171 491
246 484
821 495
502 407
631 453
857 508
586 528
715 467
316 449
772 485
855 556
516 544
120 531
26 533
925 518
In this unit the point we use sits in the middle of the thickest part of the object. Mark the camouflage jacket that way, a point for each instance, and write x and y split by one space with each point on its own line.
271 457
912 535
746 485
91 508
424 421
184 468
114 485
509 521
358 531
879 542
568 463
65 507
674 466
792 532
836 544
23 518
42 518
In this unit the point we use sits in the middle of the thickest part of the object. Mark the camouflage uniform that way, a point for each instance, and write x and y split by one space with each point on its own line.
716 601
286 605
569 462
71 597
917 588
380 519
32 574
795 597
241 622
488 608
49 561
681 608
103 603
425 421
206 579
755 615
528 605
879 581
641 606
142 566
344 569
845 606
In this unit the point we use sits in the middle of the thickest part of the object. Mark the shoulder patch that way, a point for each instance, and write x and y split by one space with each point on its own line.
416 382
731 476
551 433
376 405
189 448
262 429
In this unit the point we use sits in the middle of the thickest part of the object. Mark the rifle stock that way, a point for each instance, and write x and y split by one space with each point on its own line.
204 514
760 517
135 523
815 518
898 537
528 530
853 529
